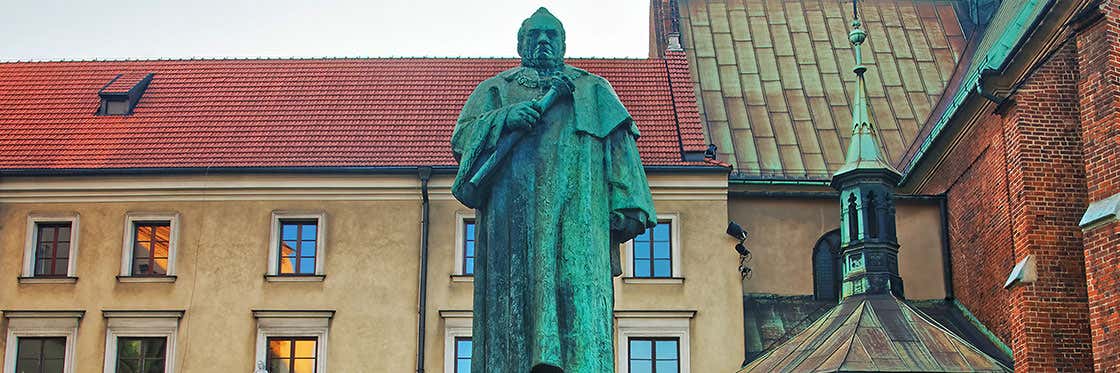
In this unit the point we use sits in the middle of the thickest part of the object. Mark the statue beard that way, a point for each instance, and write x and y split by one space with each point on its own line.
543 57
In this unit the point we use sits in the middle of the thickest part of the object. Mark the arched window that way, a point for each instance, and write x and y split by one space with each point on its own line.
853 218
826 267
870 213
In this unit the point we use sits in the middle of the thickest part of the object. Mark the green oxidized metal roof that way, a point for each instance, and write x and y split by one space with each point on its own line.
877 333
1011 23
774 83
864 152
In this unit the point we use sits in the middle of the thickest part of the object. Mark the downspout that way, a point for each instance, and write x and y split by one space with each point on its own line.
946 249
425 174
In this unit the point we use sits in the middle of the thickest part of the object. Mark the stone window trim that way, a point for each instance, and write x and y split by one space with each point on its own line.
654 323
293 323
42 324
27 275
461 218
273 274
675 250
456 324
140 323
130 221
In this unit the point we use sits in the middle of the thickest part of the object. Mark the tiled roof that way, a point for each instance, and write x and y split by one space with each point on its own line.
380 112
775 81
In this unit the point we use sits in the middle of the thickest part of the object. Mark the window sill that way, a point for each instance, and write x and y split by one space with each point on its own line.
295 278
653 280
48 280
462 278
164 279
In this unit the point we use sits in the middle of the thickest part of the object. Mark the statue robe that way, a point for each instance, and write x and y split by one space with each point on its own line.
546 219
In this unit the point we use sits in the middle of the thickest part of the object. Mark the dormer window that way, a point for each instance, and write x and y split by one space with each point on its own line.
121 94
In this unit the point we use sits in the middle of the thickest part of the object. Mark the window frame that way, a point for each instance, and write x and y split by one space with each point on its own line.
142 324
284 323
130 221
292 339
22 324
456 324
459 241
675 259
652 324
274 240
31 241
653 351
455 352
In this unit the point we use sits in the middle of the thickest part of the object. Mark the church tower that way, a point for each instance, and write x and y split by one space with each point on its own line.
868 240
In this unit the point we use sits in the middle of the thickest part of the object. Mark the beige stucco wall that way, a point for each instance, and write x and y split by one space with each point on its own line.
783 232
372 246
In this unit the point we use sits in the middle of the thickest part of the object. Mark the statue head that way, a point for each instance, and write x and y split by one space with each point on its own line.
540 41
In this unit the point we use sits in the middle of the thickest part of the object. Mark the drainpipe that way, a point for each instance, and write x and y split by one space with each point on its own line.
946 249
425 173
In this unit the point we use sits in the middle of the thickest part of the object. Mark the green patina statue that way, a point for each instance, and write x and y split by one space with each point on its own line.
547 156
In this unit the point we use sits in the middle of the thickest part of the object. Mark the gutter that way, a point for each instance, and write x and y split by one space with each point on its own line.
425 174
946 249
387 170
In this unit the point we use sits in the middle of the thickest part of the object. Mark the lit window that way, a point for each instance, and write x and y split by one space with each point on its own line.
52 249
141 354
653 254
41 355
654 355
292 341
463 354
292 354
297 247
150 248
296 250
468 247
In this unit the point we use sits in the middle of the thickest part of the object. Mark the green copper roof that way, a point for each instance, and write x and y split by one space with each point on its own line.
864 152
876 333
1011 24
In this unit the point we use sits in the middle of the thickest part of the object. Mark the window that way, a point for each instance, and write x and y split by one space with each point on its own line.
41 341
297 246
653 341
468 247
457 342
654 355
826 267
41 354
140 341
466 230
292 341
292 354
148 254
51 248
296 249
463 348
141 354
654 255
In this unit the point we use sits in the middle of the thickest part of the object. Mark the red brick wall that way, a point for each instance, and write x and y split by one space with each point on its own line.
1099 58
1015 187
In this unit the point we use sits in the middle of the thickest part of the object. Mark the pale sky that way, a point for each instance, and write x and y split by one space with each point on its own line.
85 29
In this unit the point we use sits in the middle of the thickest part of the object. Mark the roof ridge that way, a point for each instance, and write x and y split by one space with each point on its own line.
298 58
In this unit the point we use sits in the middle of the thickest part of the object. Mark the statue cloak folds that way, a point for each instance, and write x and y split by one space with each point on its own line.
547 221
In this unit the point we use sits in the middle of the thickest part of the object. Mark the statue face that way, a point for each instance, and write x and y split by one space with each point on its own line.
540 42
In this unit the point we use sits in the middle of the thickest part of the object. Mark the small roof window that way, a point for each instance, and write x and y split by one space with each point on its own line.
120 95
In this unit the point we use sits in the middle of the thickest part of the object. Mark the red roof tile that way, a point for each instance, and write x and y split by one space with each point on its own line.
380 112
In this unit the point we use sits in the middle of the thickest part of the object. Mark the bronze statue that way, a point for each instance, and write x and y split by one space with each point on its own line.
548 158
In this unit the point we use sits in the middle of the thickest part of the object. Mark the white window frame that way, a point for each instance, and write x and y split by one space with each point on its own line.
274 245
461 218
130 220
42 324
282 323
163 324
646 324
456 324
33 220
674 250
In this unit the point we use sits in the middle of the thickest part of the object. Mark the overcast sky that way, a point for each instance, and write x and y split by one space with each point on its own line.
84 29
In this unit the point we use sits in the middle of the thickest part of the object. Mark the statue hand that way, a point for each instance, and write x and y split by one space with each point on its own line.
563 84
523 115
